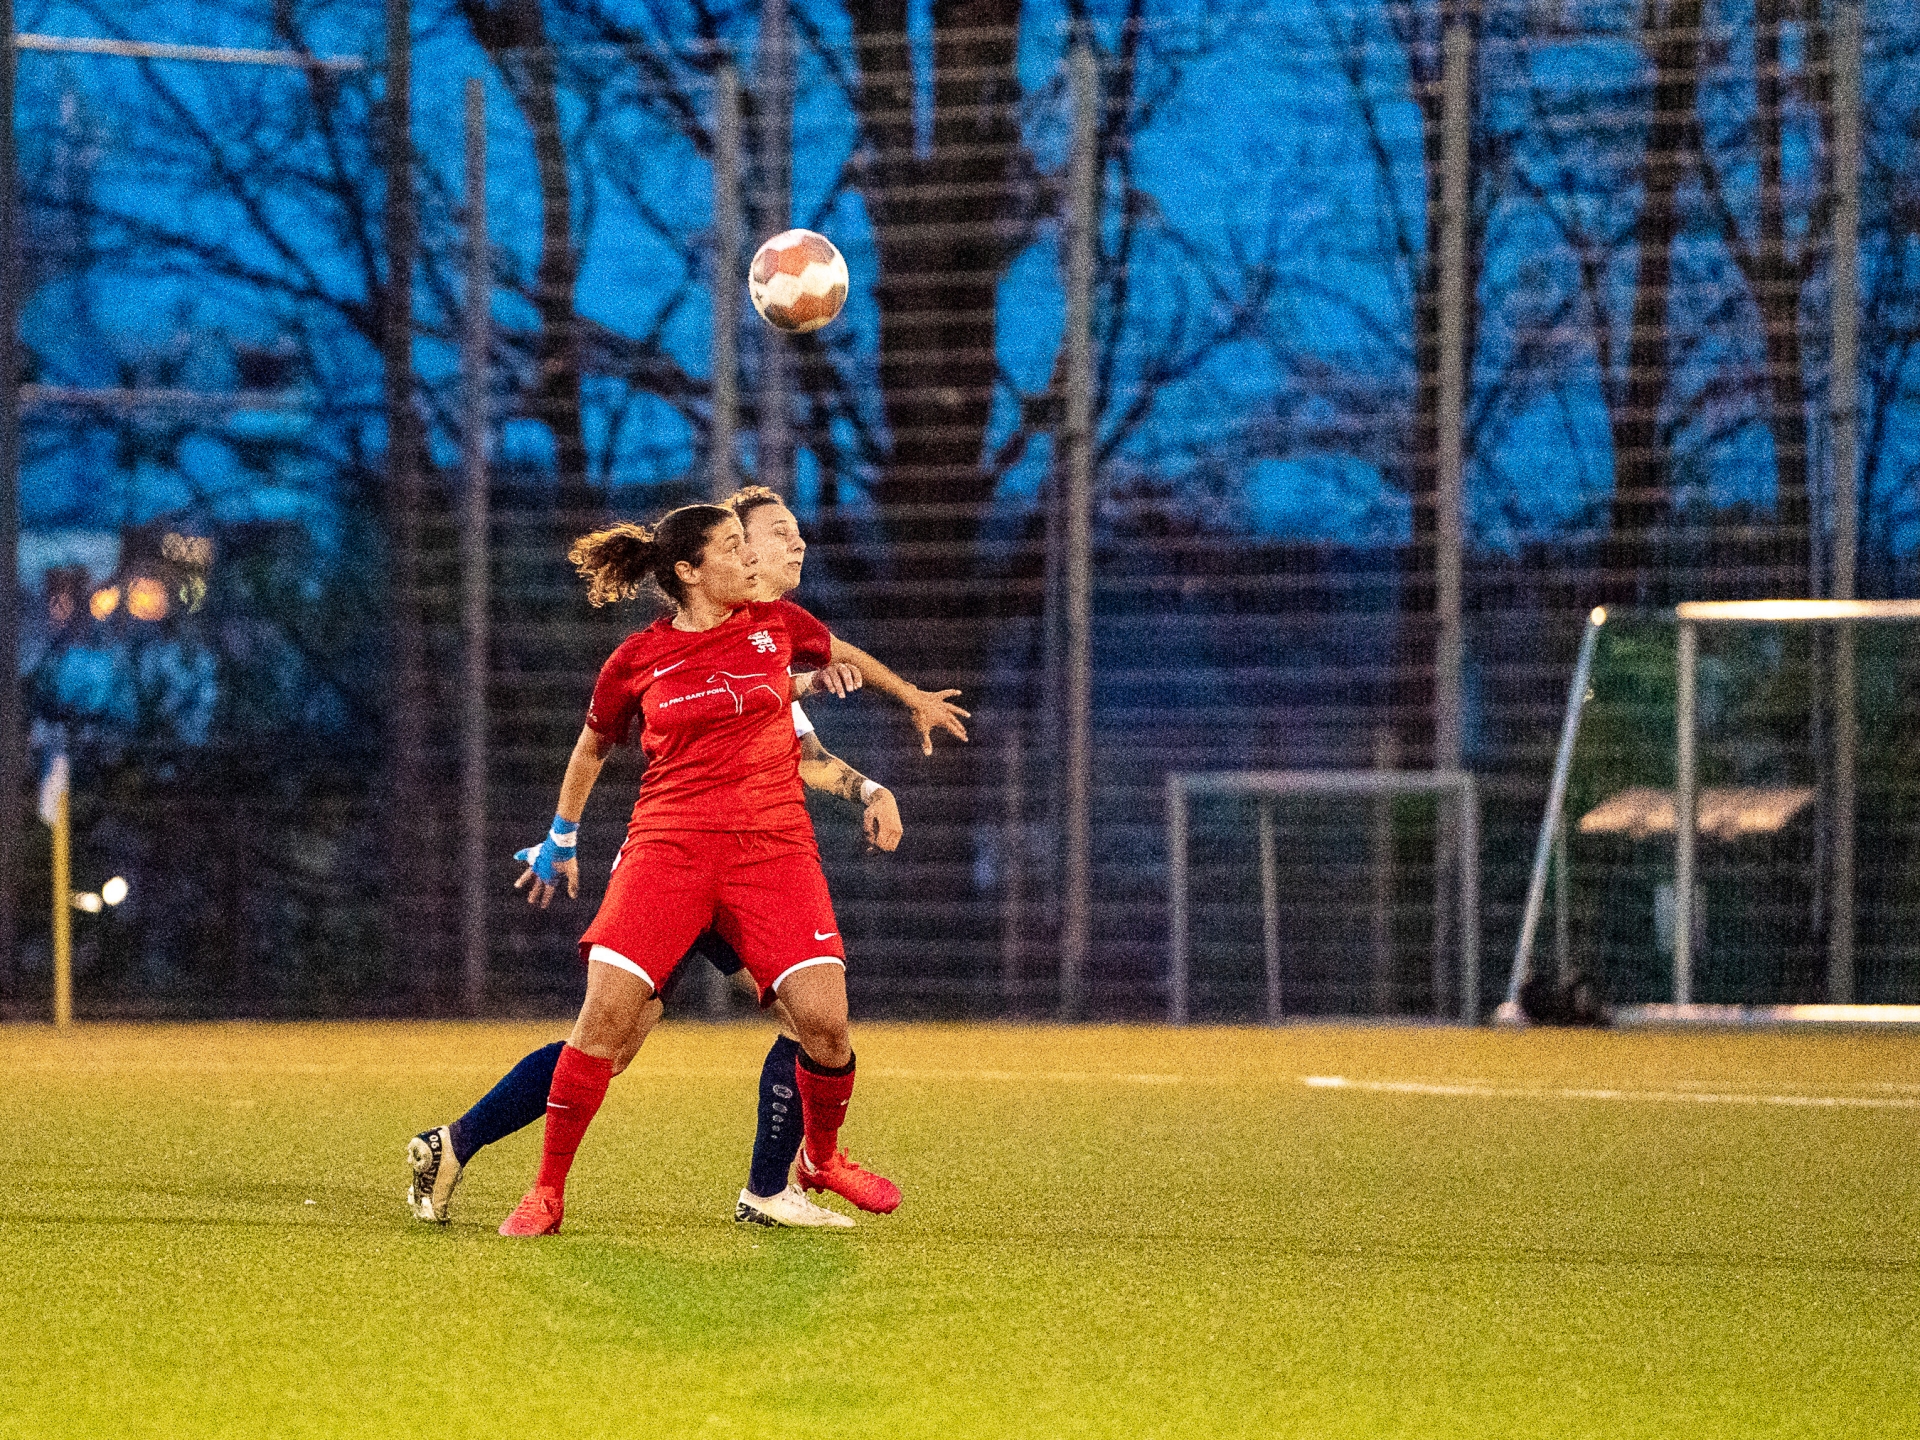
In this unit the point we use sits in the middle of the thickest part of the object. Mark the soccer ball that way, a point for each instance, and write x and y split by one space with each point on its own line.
798 281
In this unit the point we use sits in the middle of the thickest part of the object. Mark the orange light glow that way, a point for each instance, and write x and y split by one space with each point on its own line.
146 599
104 602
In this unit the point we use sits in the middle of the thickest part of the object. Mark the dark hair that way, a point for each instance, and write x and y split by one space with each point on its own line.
617 562
749 498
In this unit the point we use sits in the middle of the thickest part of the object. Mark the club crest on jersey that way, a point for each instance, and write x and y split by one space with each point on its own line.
763 642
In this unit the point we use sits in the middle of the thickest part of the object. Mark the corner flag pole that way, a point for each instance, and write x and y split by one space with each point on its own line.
62 916
53 810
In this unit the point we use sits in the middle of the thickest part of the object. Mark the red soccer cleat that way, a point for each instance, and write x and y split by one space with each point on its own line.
538 1213
871 1192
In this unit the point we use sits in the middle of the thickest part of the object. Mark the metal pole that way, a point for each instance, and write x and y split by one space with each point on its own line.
1177 919
1446 852
1269 913
775 439
1683 807
12 728
1843 397
1385 759
406 820
1469 901
475 339
1456 115
1013 864
1050 741
1556 801
1562 923
727 234
197 54
1076 911
62 912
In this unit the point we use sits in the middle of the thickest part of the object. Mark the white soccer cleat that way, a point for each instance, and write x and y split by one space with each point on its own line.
435 1173
789 1207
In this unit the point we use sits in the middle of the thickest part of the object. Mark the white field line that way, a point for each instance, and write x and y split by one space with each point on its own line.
1070 1077
640 1072
1903 1097
1476 1091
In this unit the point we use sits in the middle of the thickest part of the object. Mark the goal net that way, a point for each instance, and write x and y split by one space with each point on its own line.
1739 827
1323 892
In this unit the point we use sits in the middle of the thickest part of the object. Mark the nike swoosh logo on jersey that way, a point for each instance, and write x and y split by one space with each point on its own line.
660 670
825 934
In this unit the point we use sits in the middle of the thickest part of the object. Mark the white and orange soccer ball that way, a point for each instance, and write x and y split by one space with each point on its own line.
798 281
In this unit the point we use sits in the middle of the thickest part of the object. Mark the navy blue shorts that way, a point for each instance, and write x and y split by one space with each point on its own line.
724 957
718 952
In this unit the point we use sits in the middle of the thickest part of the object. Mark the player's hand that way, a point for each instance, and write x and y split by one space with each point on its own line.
931 710
541 892
546 867
837 677
881 822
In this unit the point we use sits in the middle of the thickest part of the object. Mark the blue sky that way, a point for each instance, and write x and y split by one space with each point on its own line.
1259 154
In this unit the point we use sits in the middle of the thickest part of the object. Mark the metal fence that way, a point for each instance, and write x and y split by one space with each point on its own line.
1396 336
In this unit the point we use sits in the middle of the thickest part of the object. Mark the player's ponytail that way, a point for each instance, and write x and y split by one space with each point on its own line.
618 562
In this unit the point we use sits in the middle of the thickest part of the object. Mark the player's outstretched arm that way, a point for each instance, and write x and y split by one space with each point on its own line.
929 710
553 858
826 772
836 678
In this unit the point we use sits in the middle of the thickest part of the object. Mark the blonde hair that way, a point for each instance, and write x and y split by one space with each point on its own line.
749 498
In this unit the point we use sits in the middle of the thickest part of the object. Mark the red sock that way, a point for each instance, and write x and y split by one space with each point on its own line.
823 1105
579 1085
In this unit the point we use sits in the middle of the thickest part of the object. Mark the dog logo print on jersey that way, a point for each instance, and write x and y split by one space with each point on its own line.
763 642
724 680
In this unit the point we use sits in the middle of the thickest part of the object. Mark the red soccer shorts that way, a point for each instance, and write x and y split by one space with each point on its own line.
765 894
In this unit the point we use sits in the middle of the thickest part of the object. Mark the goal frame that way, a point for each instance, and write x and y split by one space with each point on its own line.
1270 786
1688 617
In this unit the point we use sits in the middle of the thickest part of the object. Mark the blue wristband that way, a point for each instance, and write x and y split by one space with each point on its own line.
557 848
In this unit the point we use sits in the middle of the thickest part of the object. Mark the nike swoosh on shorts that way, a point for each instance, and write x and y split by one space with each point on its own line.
825 934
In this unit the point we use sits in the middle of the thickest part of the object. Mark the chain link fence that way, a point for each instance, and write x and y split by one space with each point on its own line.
1631 354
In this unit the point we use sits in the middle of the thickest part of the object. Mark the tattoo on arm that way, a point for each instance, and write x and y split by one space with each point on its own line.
847 781
826 772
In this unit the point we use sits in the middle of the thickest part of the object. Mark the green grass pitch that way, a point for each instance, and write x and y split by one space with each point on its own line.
1108 1231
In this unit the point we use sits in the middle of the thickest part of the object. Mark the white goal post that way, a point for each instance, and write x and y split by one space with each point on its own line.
1686 800
1270 786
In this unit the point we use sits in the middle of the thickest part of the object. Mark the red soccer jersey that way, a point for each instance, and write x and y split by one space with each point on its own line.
719 736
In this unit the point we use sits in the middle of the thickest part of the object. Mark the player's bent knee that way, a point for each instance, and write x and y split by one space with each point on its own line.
819 1018
783 1017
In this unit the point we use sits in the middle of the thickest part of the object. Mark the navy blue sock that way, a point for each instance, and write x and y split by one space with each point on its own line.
777 1139
515 1103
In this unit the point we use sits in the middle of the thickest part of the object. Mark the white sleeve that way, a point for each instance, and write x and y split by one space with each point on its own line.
801 725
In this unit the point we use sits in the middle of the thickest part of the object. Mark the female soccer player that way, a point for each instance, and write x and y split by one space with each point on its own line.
719 836
437 1157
